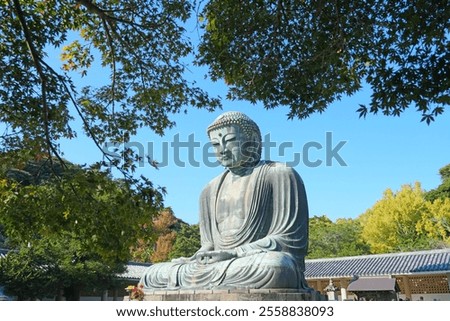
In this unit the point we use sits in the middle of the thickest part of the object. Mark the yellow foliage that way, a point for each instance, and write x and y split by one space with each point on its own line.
3 182
390 225
436 224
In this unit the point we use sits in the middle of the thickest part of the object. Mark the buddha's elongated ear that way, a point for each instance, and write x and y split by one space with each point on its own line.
251 148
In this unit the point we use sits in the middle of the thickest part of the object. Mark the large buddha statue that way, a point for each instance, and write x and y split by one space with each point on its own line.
253 221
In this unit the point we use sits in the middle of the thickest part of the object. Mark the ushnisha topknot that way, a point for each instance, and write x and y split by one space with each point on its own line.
236 118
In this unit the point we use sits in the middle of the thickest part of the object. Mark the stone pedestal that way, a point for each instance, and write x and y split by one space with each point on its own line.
235 295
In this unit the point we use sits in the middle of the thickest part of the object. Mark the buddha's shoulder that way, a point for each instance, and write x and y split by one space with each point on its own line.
214 182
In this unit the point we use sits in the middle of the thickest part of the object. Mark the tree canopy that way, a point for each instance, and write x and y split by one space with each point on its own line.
443 190
140 45
308 54
70 230
303 54
166 226
405 221
187 242
435 223
335 239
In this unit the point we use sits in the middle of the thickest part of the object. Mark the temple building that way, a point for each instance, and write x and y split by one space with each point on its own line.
421 275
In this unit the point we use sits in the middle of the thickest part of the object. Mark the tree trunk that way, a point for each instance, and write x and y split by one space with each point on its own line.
72 293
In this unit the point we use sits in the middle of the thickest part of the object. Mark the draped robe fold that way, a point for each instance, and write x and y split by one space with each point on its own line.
271 243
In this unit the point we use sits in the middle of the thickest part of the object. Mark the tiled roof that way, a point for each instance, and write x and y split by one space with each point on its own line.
134 271
380 264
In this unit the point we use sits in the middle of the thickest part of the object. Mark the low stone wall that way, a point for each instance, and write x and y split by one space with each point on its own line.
234 295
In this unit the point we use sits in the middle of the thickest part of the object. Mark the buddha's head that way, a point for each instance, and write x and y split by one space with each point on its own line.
236 140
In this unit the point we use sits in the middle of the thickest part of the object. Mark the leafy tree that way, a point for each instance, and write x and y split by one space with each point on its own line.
166 221
50 268
165 226
163 246
78 227
29 274
443 190
308 54
435 224
187 242
329 239
391 224
141 44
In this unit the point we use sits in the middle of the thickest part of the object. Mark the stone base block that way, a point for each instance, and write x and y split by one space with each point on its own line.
235 295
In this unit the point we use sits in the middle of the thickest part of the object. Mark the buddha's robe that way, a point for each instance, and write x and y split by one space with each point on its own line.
270 205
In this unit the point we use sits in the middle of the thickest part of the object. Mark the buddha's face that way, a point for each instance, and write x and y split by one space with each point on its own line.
231 146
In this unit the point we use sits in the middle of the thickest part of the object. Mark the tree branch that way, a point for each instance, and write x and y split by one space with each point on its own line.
37 61
103 14
86 124
113 63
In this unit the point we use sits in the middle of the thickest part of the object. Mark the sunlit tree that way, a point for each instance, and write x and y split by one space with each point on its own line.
391 224
335 239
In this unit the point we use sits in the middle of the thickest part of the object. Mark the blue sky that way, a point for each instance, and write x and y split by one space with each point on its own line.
379 152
